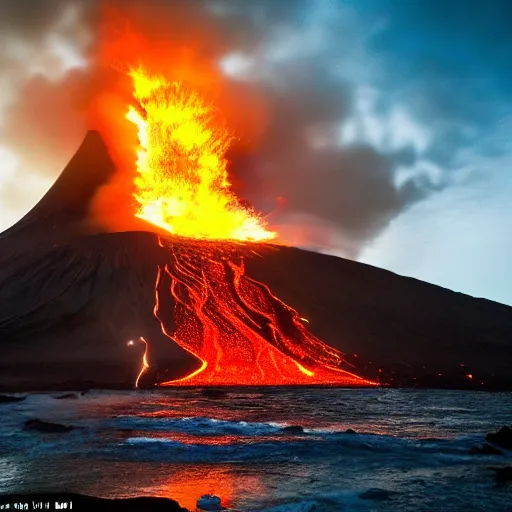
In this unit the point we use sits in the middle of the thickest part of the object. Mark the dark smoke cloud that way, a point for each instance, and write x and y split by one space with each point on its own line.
42 120
333 196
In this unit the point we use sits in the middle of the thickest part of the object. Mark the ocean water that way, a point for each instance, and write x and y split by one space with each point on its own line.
410 453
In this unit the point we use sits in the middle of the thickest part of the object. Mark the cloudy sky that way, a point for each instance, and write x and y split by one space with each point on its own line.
386 130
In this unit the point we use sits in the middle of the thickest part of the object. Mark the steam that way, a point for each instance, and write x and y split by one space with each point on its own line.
290 88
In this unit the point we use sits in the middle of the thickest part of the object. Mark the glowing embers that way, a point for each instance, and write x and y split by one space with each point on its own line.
240 332
182 183
145 365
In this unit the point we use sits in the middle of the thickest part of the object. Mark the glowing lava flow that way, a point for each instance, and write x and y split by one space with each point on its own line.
235 326
145 364
239 331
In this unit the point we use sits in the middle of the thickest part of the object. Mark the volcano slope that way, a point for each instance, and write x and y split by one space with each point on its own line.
73 296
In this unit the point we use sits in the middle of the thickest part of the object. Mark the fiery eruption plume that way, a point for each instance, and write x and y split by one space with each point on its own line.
182 185
238 330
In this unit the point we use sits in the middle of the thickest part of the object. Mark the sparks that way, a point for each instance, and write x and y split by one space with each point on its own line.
145 364
182 184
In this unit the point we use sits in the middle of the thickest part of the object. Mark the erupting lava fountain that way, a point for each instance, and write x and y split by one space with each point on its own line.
238 330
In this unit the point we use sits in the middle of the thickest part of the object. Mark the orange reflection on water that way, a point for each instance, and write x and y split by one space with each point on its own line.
224 439
188 484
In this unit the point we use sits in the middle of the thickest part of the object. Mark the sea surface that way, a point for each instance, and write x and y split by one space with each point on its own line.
410 452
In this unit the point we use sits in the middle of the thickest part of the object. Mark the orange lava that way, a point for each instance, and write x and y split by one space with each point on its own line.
145 364
238 330
182 184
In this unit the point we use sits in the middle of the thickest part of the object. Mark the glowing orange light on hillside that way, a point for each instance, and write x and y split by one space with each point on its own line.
238 330
182 184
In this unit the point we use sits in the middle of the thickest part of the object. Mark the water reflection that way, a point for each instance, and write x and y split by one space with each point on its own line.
187 484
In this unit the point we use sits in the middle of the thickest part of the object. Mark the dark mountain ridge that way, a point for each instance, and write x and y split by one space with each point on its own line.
72 298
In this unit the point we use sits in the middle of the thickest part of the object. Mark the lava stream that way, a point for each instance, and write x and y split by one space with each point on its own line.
239 331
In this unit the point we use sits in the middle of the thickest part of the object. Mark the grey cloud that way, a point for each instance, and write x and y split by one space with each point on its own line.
350 189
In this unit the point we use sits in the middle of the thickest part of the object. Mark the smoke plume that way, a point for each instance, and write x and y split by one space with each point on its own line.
283 85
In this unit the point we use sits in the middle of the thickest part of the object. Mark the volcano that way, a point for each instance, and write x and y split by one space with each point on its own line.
73 297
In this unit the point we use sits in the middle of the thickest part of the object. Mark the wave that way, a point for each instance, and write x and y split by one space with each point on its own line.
196 425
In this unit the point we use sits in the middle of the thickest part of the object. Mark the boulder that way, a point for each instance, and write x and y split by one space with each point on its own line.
213 393
66 396
486 449
376 494
293 429
502 438
209 502
503 474
7 399
46 426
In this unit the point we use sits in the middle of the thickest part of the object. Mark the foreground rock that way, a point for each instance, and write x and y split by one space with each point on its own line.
486 449
66 396
504 474
7 399
214 393
501 438
293 429
46 426
69 501
209 502
376 494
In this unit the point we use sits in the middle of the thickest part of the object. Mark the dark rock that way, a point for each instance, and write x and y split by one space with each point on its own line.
293 429
503 474
46 426
350 431
66 396
376 494
209 502
486 449
83 393
87 503
502 438
7 399
213 393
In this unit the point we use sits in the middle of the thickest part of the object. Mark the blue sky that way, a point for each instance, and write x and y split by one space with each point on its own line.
451 60
430 91
389 133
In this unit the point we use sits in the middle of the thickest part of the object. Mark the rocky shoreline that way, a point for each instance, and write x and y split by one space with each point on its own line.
78 502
